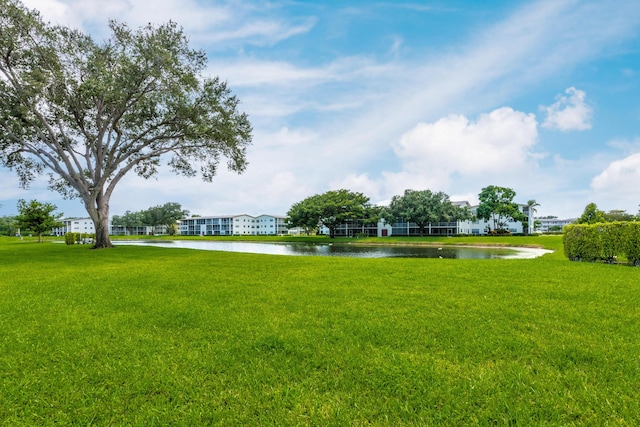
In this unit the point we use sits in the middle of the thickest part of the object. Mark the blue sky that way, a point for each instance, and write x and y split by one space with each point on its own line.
378 97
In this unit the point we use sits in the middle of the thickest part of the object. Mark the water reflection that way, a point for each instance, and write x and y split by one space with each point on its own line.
346 250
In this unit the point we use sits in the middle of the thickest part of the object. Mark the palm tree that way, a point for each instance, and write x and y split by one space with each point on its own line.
532 204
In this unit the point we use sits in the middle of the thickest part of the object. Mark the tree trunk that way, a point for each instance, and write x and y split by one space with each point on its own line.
102 233
99 213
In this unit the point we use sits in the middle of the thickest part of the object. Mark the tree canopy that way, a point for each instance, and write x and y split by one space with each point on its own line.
37 217
424 207
497 206
331 209
619 215
88 113
305 214
128 220
591 215
167 215
8 225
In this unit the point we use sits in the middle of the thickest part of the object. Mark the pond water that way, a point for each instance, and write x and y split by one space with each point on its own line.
346 249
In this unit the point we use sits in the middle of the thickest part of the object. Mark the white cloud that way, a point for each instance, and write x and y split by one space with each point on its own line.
361 183
55 11
213 24
496 142
263 32
569 112
284 138
616 187
621 176
496 147
252 72
625 145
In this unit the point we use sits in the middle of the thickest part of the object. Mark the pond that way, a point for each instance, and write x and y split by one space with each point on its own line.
347 250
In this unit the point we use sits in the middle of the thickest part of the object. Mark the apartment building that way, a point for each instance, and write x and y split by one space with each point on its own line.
228 225
74 225
547 225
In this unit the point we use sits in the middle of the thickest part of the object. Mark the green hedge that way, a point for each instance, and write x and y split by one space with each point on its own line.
602 242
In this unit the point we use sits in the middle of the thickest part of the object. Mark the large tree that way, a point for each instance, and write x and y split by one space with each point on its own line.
89 113
331 209
497 206
167 214
305 214
424 207
37 217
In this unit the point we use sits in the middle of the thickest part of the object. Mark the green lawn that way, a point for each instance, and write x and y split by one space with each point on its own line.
151 336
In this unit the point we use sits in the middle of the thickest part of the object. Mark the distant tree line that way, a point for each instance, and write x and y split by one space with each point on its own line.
593 215
160 215
421 207
8 225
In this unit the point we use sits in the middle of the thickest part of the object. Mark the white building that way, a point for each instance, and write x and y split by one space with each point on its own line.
553 224
75 225
229 225
481 227
140 230
85 225
476 227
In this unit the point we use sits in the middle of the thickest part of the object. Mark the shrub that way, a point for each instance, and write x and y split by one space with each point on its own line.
70 238
612 240
602 241
632 243
582 242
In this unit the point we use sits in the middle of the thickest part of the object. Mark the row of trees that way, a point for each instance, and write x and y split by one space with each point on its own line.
421 207
593 215
161 215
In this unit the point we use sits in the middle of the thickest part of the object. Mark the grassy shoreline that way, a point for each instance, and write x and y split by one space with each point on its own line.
142 336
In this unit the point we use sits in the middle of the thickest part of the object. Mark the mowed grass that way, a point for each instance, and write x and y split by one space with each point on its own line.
151 336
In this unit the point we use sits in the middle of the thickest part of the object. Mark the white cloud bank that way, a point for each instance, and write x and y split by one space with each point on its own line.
498 141
569 112
496 146
616 187
621 176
